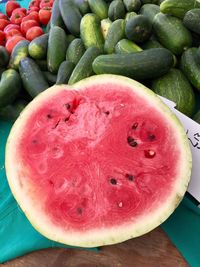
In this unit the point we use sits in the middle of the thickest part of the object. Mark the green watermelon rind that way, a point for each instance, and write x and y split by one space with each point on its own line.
102 236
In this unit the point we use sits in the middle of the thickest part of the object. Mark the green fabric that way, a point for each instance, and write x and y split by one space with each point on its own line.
17 236
183 228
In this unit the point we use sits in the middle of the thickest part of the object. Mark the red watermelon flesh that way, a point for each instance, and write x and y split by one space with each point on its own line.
98 162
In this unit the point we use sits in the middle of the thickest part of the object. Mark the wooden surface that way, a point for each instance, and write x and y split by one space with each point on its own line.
151 250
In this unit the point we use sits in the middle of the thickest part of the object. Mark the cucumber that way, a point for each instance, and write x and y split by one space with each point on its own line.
132 5
197 56
90 29
178 8
99 7
75 51
70 38
175 86
50 77
126 46
105 26
115 34
147 64
83 6
171 33
42 64
10 87
116 10
196 117
64 72
57 47
129 15
56 18
150 11
190 67
138 29
38 47
20 51
32 77
84 67
151 44
12 111
71 16
4 57
191 20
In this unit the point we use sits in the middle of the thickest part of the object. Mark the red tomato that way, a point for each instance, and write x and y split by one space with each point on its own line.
34 32
11 43
3 23
26 25
17 18
44 16
34 3
10 6
31 17
19 10
3 16
2 37
33 8
12 33
10 27
46 3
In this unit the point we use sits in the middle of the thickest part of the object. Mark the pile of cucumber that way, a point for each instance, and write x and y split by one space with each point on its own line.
153 41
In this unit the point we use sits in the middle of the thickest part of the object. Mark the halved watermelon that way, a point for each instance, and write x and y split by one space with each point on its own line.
98 162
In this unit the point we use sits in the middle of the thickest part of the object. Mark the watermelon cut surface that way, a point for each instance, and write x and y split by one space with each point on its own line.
98 162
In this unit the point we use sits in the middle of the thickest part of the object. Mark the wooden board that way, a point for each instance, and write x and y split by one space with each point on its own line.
151 250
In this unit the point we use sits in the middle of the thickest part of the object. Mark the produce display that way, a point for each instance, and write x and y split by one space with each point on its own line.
155 43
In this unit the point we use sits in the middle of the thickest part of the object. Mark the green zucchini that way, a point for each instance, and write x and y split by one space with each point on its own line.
64 72
175 87
151 44
20 51
71 16
90 29
11 112
129 15
171 33
150 11
115 34
191 20
105 26
10 87
138 29
147 64
84 67
38 47
4 57
75 51
32 77
126 46
190 67
132 5
178 8
57 47
116 10
99 7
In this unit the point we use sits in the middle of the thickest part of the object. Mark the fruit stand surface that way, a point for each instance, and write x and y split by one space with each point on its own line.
153 250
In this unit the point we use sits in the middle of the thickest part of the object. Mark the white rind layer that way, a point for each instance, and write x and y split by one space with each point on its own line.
103 236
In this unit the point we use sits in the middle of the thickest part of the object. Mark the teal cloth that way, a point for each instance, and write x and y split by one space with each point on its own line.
17 236
183 228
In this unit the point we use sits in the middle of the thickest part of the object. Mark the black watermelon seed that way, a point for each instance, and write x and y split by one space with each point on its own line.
151 137
68 106
113 181
107 112
49 116
130 177
66 119
131 141
134 126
